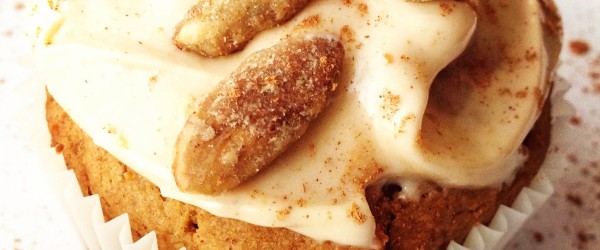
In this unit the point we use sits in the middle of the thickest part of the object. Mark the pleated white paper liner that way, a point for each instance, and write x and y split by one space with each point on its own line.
89 219
508 220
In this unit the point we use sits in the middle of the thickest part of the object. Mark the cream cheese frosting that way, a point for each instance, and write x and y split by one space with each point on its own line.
113 68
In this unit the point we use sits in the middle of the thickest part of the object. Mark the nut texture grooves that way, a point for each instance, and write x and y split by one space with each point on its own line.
219 27
256 113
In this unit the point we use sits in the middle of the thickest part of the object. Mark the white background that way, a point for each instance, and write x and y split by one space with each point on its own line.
32 218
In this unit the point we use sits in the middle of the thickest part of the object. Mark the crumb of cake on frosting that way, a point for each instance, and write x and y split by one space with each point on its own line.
283 213
390 104
405 121
347 34
389 58
311 21
358 216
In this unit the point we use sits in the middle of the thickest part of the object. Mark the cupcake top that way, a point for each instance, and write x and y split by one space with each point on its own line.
114 68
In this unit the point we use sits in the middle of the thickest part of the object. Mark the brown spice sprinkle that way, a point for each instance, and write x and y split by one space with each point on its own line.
522 94
405 121
594 75
575 120
363 9
538 237
505 92
281 214
579 47
584 238
256 113
446 9
347 34
301 202
7 33
572 158
19 6
596 179
575 200
530 55
310 21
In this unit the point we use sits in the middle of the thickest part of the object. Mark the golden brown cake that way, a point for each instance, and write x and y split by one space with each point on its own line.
408 209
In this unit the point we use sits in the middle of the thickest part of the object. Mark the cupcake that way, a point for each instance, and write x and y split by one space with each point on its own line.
301 124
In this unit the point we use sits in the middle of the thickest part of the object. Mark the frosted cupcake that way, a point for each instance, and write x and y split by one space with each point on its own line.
321 124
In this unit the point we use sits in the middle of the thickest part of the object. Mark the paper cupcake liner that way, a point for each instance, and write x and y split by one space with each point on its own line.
508 220
89 219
